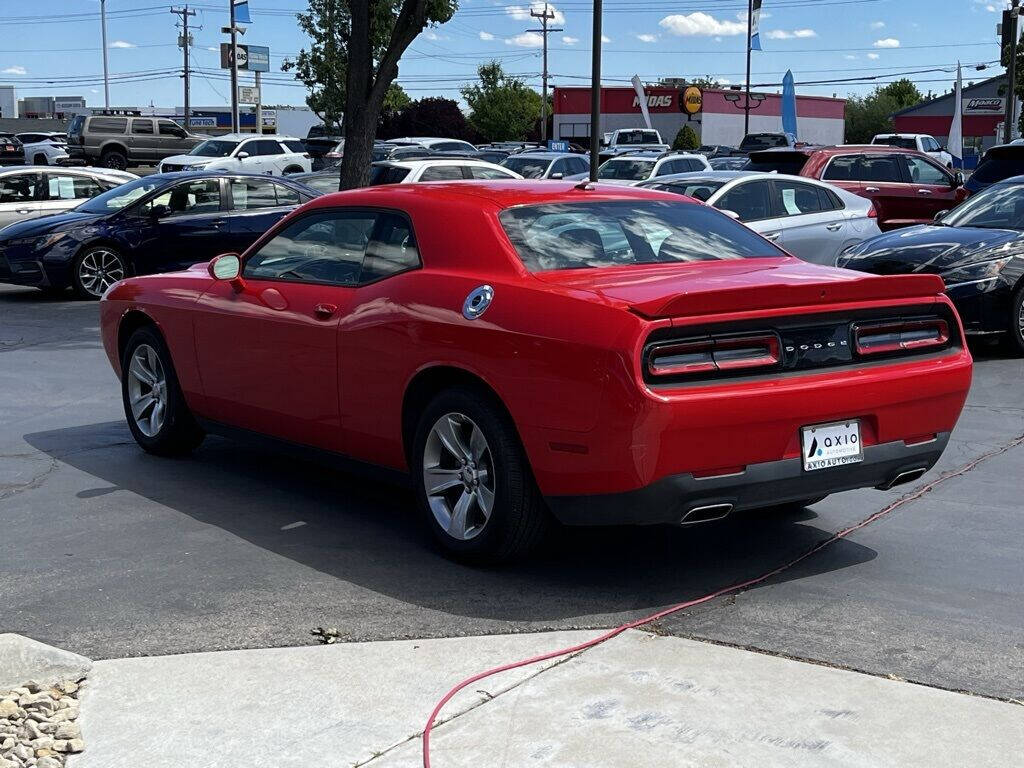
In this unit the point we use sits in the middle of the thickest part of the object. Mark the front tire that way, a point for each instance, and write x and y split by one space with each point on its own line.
473 481
1016 327
40 160
95 270
292 169
154 406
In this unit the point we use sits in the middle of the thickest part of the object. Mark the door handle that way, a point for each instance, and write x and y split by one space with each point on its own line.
833 227
924 192
218 224
872 189
23 211
772 235
325 311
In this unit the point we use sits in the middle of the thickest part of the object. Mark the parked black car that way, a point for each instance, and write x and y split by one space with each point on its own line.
11 150
977 248
158 223
999 163
323 182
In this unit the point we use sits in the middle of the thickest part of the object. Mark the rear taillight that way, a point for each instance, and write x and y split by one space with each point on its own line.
872 212
899 336
716 353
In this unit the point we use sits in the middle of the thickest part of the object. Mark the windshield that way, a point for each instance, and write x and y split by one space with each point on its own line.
756 141
387 174
1000 206
120 197
632 170
607 234
214 148
895 141
528 167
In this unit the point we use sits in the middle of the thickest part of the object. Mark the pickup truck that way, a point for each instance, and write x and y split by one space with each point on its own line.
922 142
630 140
755 142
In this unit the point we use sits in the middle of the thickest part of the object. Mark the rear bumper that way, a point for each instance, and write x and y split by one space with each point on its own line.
758 485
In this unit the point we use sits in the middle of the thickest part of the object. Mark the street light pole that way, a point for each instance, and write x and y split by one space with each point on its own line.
106 72
746 104
235 127
595 93
1011 75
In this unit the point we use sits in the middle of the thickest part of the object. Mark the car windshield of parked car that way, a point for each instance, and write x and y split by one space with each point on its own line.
120 197
214 148
616 233
999 164
630 170
1000 206
528 167
756 141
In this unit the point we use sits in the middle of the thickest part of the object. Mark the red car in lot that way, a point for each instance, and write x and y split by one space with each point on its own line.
529 350
906 186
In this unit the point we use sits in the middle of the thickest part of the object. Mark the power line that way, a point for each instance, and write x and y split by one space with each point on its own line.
544 31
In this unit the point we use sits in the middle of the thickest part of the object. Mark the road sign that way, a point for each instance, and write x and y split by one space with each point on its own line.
202 122
251 58
558 146
248 94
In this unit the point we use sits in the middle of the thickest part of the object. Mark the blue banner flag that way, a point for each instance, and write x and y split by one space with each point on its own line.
242 12
755 26
789 105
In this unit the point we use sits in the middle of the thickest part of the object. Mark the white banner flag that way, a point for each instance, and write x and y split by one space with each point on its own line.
955 144
641 97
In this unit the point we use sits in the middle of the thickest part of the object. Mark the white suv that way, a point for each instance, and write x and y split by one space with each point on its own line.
922 142
272 155
634 167
454 169
44 148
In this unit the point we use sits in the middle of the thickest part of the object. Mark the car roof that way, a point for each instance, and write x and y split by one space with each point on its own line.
1011 180
714 176
836 149
546 154
244 136
900 135
109 173
425 161
205 174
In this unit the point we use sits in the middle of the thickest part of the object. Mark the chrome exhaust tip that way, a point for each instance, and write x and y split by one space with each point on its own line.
705 514
903 477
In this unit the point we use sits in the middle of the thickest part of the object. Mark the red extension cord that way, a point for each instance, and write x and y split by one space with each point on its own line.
711 596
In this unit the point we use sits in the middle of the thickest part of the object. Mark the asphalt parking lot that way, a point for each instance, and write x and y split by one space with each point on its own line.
110 552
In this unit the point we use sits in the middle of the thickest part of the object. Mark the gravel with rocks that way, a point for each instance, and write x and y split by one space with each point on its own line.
38 725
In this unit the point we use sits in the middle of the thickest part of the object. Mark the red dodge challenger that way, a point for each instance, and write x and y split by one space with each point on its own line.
537 351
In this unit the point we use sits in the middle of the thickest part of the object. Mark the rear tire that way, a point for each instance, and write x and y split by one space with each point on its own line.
114 160
40 160
292 169
95 270
154 406
1016 325
483 505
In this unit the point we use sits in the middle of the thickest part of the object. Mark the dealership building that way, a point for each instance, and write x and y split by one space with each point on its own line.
820 120
982 106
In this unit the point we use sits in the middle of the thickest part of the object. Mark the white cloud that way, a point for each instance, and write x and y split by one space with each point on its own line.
877 24
526 40
15 70
570 40
213 48
647 38
605 39
701 24
122 44
94 90
887 42
872 55
991 8
522 13
851 57
486 35
742 16
432 35
782 34
723 80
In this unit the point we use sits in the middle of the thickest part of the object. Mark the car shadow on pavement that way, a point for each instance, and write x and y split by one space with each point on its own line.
368 533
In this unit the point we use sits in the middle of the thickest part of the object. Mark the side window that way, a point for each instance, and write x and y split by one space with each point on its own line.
749 200
883 168
478 172
843 168
20 188
442 173
582 166
666 168
167 128
65 187
249 194
264 147
321 248
829 201
108 125
391 250
923 172
559 166
286 195
793 198
190 197
142 127
295 146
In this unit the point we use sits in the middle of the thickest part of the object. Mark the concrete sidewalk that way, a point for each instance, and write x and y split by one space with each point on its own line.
638 699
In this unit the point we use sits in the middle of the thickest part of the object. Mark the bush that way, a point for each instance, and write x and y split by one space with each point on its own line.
686 139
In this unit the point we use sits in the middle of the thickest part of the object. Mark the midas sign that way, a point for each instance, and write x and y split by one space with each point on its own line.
664 100
693 100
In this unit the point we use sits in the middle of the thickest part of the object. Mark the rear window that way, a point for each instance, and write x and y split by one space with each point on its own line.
701 189
791 163
606 234
631 170
295 146
895 141
1000 164
324 184
755 141
75 126
387 174
108 124
528 167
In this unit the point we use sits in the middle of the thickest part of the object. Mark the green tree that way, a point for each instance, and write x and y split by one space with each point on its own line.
501 107
871 114
686 138
352 62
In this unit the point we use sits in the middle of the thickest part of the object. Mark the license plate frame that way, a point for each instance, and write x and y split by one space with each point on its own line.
831 445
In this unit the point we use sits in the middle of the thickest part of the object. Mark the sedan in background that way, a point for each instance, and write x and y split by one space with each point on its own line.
11 151
548 165
641 165
31 192
812 220
532 350
456 169
154 224
977 249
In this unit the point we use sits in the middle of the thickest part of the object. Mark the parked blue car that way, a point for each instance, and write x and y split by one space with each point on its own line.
159 223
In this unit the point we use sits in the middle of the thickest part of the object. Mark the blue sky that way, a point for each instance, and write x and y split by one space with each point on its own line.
53 46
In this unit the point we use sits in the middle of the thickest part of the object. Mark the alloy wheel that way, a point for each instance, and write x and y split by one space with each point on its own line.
100 269
459 476
147 390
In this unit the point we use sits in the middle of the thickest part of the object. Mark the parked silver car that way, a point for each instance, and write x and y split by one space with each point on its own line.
810 219
28 192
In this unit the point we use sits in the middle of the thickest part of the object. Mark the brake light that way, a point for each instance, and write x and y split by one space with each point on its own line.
872 212
900 336
725 353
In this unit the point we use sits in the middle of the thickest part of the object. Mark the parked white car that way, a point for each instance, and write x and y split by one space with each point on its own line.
634 167
44 148
272 155
812 220
922 142
28 192
453 169
436 144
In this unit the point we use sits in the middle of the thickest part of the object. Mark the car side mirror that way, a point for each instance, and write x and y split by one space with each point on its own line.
227 267
958 179
558 175
939 216
242 155
730 214
159 212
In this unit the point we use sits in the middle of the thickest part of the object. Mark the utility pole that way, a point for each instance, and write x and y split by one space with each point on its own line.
185 42
545 30
746 101
595 92
259 104
235 126
106 73
1010 35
